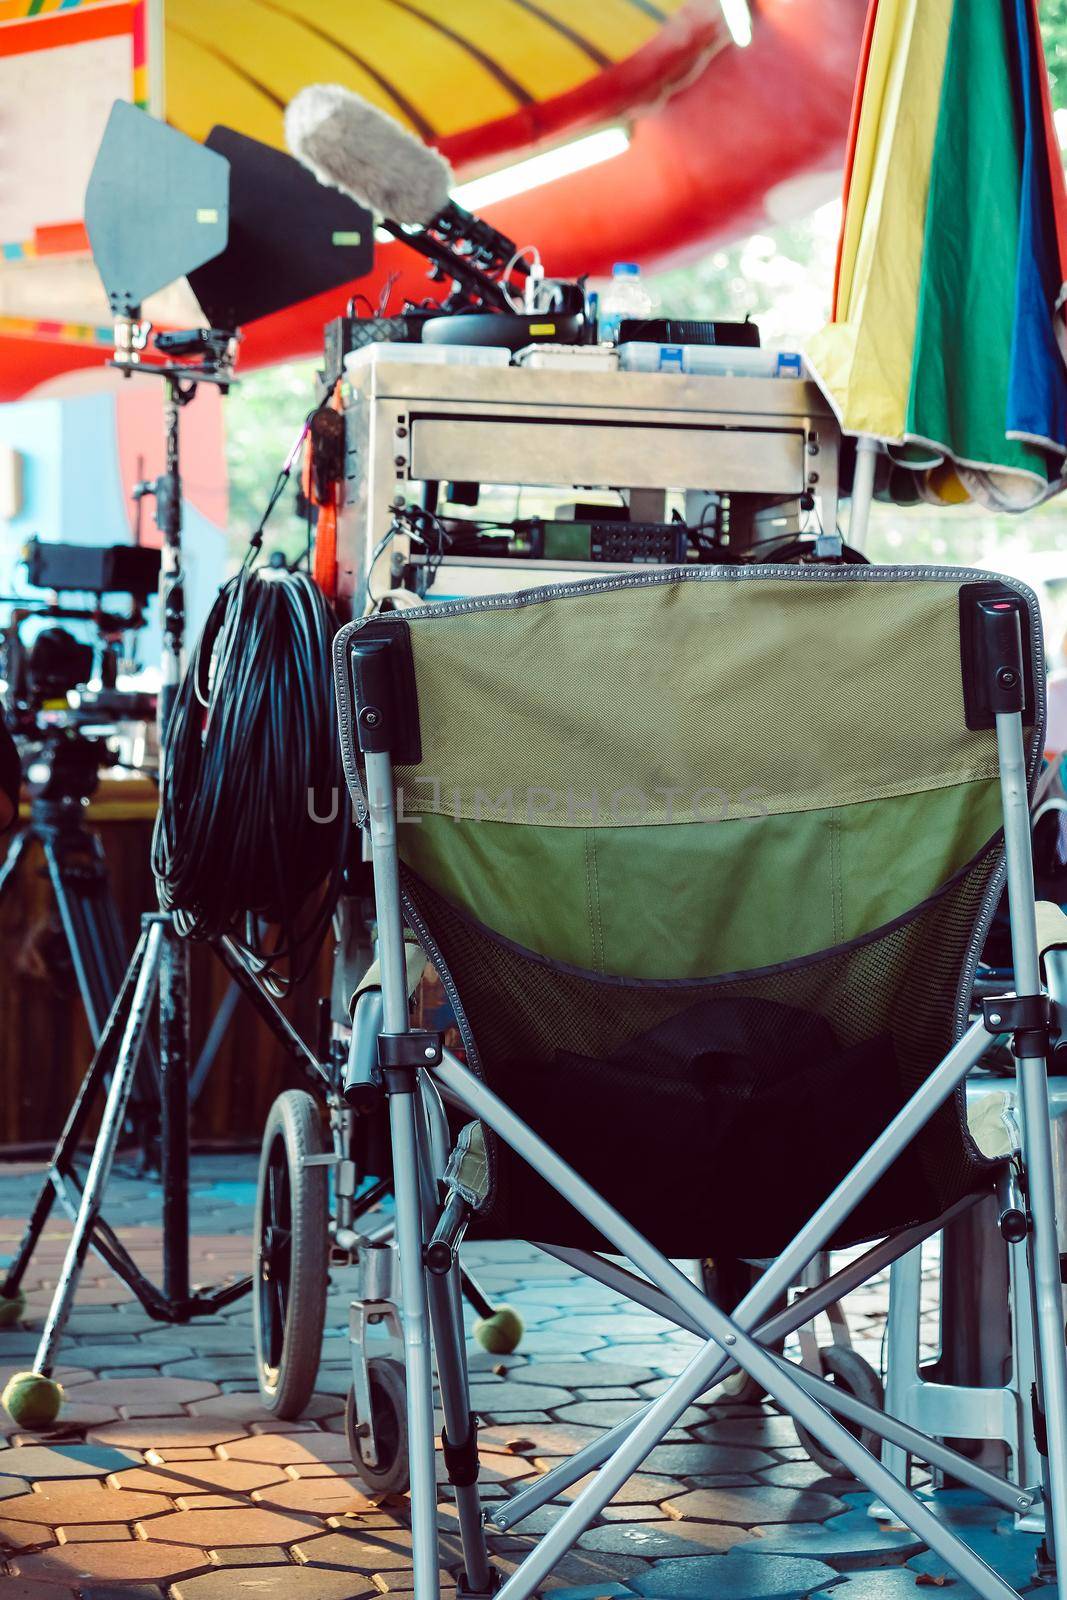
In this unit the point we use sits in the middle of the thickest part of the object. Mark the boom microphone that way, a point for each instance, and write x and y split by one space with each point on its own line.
352 146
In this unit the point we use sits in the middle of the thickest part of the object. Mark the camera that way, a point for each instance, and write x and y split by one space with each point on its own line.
61 696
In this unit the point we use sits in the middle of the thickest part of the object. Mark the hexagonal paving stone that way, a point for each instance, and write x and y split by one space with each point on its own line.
373 1551
768 1430
88 1532
654 1540
891 1583
687 1460
599 1413
20 1589
145 1391
849 1541
99 1357
498 1399
805 1475
639 1487
266 1555
285 1448
200 1477
23 1535
208 1529
213 1368
182 1432
79 1501
539 1438
126 1559
38 1462
327 1496
275 1583
249 1408
742 1575
661 1357
751 1506
575 1374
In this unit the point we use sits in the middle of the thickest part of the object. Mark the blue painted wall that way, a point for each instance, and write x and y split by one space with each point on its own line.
71 492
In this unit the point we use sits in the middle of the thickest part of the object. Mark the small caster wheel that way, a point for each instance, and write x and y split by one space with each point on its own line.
847 1371
291 1241
388 1397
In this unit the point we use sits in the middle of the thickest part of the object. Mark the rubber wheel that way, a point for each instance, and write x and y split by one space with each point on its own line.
726 1282
848 1371
388 1398
291 1253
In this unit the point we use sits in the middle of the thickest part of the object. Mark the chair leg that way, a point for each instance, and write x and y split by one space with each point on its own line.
417 1354
1032 1078
460 1436
905 1290
1048 1303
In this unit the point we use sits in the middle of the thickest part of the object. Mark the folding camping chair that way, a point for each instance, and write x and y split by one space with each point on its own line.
704 859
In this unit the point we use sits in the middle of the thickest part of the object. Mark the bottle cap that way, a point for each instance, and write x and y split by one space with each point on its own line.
626 269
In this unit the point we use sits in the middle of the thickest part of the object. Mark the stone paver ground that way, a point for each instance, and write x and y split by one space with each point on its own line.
166 1480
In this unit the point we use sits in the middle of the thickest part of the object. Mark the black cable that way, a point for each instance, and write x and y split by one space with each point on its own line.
252 762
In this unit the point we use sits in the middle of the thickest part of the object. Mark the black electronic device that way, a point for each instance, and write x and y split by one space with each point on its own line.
629 543
683 330
607 539
511 330
344 334
290 238
92 569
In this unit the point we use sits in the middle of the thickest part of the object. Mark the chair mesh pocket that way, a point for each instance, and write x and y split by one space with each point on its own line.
716 1115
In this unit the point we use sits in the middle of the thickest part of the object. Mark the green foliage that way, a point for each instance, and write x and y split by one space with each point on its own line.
263 414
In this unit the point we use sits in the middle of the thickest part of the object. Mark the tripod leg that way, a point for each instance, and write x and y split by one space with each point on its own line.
16 851
213 1043
77 867
34 1396
174 1103
76 886
61 1165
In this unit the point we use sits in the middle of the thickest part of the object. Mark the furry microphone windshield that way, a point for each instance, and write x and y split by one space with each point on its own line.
352 146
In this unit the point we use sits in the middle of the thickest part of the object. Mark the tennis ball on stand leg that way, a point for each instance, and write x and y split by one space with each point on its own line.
500 1333
12 1308
32 1399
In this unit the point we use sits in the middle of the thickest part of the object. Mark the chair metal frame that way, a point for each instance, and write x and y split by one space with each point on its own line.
418 1073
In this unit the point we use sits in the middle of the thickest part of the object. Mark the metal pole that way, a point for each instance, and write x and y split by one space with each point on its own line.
867 453
381 803
174 963
1035 1127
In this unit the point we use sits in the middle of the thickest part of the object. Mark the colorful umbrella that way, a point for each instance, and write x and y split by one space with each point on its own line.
948 333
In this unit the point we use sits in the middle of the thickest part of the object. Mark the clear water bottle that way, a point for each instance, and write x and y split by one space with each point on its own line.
624 297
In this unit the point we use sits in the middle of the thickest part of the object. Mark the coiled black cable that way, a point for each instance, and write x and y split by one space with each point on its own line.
253 828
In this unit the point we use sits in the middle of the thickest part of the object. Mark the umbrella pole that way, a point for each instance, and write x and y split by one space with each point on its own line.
867 451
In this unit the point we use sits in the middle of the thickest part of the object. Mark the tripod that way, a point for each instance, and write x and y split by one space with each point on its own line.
160 964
